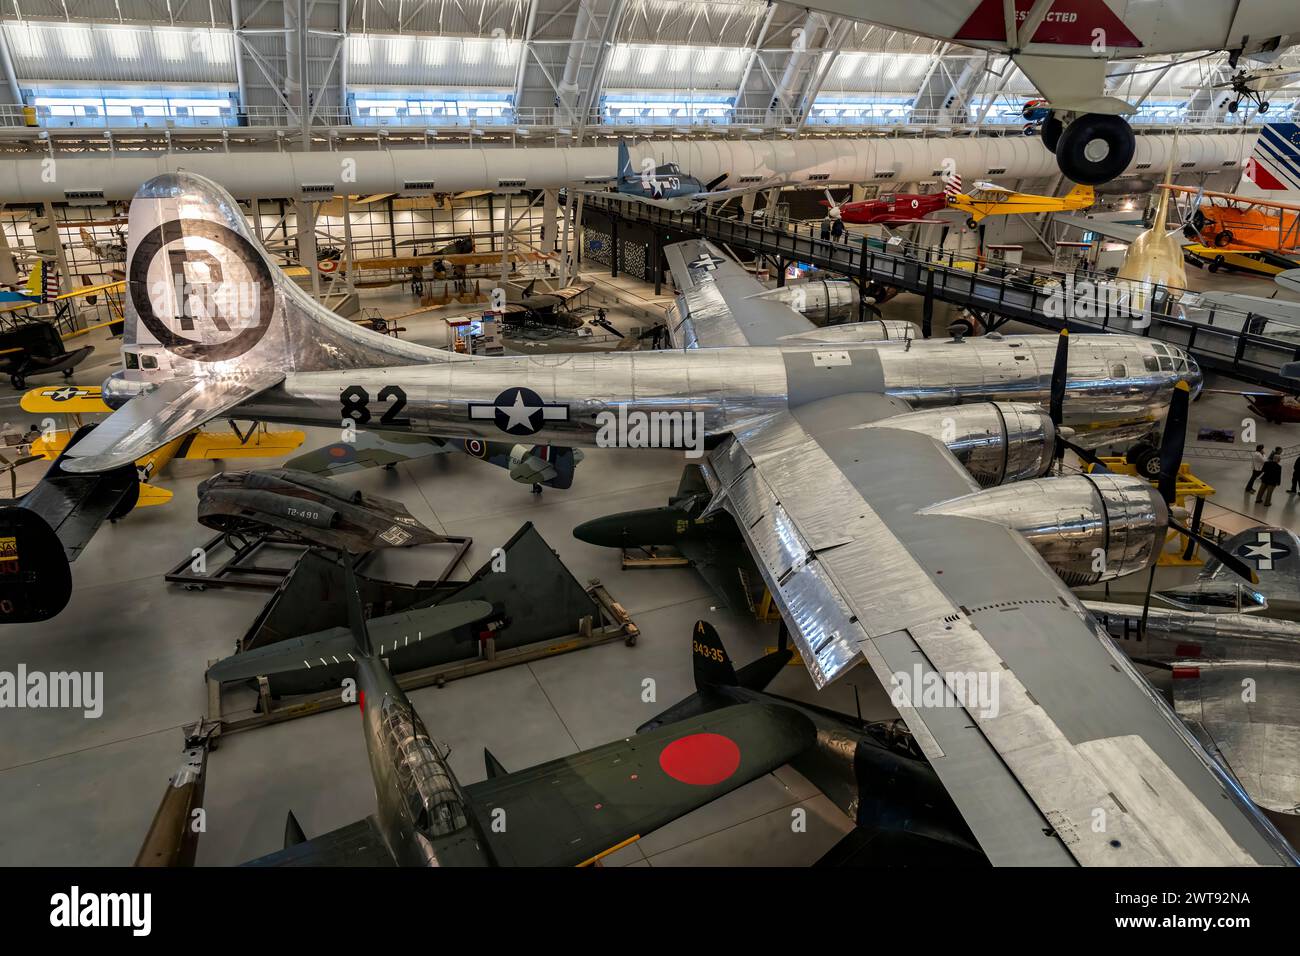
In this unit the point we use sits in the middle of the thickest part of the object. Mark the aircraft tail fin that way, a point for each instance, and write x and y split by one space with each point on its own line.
356 609
1081 194
624 159
530 288
1274 164
711 664
1273 553
210 315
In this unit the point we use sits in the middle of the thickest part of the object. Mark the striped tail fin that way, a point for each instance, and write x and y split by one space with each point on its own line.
952 185
1274 165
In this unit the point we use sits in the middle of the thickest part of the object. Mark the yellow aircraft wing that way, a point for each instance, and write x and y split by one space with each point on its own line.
152 495
262 443
64 399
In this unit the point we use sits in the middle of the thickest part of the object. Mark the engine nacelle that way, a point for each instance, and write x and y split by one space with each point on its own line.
1089 528
997 442
821 301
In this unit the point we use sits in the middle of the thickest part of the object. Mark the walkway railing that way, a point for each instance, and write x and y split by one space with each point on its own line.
1247 346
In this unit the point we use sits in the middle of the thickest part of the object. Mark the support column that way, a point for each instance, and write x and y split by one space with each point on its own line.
550 213
306 213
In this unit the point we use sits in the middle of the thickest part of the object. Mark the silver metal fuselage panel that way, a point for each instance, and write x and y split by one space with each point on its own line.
733 387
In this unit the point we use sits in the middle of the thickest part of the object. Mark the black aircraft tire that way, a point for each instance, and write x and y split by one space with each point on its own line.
1146 459
1091 132
1051 133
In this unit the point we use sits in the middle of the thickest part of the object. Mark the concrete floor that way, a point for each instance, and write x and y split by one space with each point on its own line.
82 792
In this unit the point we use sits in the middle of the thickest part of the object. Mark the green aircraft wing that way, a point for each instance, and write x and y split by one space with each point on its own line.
576 809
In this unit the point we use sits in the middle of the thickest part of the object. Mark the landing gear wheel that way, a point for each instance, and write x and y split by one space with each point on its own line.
17 381
1051 133
1234 106
1029 129
1223 238
1095 148
972 224
1145 459
1263 107
1217 264
67 373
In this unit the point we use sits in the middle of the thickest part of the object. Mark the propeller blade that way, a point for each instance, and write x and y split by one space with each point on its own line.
1220 554
1091 457
1060 369
1171 444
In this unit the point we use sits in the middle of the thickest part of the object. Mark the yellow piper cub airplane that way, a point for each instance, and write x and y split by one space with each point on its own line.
990 199
76 400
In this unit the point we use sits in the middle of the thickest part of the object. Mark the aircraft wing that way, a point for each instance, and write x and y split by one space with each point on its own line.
64 399
574 810
1068 756
367 450
721 195
1281 310
357 844
262 443
1259 738
153 419
715 302
1119 231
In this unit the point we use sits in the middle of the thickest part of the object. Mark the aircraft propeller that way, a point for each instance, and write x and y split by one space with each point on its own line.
1171 460
833 208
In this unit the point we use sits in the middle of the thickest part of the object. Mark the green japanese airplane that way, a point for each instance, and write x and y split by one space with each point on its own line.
566 812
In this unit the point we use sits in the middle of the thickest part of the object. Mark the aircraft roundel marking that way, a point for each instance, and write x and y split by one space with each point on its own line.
701 760
339 451
475 447
225 337
1263 552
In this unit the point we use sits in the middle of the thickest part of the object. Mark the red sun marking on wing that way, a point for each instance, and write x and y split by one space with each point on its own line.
338 451
701 760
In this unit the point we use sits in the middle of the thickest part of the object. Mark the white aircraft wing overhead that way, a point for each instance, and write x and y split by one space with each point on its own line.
1068 756
151 420
718 195
715 305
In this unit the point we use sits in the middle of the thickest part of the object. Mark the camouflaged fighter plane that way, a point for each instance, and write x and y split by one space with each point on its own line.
884 489
568 812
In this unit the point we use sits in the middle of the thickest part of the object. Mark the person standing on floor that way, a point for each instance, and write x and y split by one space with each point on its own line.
1270 479
1295 476
1256 467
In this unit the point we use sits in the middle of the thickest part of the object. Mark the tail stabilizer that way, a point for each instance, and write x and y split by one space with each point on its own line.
624 159
1273 553
338 644
206 306
493 765
1274 164
709 658
293 832
1084 195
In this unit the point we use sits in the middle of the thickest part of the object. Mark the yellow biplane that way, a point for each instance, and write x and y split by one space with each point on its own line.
76 400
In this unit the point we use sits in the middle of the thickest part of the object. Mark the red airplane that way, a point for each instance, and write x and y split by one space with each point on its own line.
898 209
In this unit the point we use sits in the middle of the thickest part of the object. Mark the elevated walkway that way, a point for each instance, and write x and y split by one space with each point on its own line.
1251 348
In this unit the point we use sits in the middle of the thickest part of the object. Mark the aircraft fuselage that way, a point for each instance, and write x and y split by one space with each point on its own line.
1117 390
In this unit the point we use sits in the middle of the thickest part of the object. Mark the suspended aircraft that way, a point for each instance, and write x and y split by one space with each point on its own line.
1066 47
1250 85
838 456
664 185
